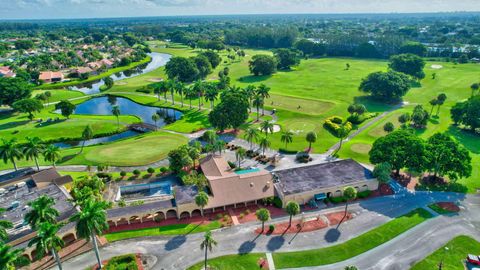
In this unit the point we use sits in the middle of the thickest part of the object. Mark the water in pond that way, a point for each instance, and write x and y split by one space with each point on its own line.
158 60
122 135
104 105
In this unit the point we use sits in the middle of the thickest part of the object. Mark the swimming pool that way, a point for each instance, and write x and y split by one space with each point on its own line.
146 190
252 170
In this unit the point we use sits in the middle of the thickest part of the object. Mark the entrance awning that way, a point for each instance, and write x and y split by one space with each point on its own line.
320 196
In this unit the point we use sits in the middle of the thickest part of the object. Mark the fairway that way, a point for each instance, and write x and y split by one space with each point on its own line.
139 150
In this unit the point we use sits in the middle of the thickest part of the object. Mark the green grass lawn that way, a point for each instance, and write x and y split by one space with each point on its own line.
58 94
352 247
233 262
95 77
458 248
175 229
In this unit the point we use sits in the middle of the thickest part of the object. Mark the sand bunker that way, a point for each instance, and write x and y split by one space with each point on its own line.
155 80
120 83
276 128
436 66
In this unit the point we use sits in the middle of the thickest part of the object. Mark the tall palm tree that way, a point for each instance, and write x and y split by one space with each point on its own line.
163 89
292 209
263 91
47 240
211 95
199 88
10 151
201 200
257 102
250 92
116 112
264 144
180 89
267 127
4 225
220 146
87 134
263 215
41 211
172 85
190 94
33 149
240 155
342 133
51 153
251 135
9 257
155 118
311 138
91 221
350 194
287 137
207 244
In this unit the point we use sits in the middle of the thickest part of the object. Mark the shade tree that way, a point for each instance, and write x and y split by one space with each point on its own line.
386 86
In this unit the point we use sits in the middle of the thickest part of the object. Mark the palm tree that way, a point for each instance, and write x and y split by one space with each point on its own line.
155 118
263 215
311 138
116 112
87 134
201 200
440 101
180 89
240 155
263 90
9 151
47 240
211 95
41 211
287 137
172 84
207 244
190 94
251 134
91 221
349 193
9 257
267 127
264 144
433 102
4 225
33 149
161 88
257 102
342 133
250 92
292 209
199 88
220 146
51 153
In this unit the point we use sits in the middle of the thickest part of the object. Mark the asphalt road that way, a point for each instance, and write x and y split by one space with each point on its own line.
181 251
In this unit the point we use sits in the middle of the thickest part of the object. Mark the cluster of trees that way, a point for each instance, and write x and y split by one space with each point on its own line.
194 68
231 111
467 113
282 59
440 155
12 151
13 90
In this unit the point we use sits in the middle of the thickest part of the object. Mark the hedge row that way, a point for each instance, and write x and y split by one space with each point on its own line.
334 124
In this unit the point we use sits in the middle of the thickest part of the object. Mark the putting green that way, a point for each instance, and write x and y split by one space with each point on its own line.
301 127
300 105
136 151
361 148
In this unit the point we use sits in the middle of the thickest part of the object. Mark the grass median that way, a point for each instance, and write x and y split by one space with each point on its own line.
174 229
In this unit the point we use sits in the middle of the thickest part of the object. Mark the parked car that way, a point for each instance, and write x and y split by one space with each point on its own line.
473 259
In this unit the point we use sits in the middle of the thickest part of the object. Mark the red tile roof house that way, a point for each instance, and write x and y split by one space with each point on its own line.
50 76
6 72
83 70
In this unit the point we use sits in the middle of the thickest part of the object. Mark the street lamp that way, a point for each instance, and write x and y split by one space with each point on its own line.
440 265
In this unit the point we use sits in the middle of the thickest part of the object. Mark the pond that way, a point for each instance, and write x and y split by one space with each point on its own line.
104 105
158 60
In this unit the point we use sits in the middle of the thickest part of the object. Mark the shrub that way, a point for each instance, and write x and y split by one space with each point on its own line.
219 216
288 152
364 194
100 168
277 202
333 124
123 262
302 157
247 211
123 173
232 165
337 199
163 169
136 172
271 228
150 170
144 90
106 177
241 216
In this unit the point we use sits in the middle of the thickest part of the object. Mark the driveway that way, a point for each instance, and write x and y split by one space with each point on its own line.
179 252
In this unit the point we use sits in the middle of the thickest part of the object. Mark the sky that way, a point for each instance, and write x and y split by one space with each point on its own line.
48 9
